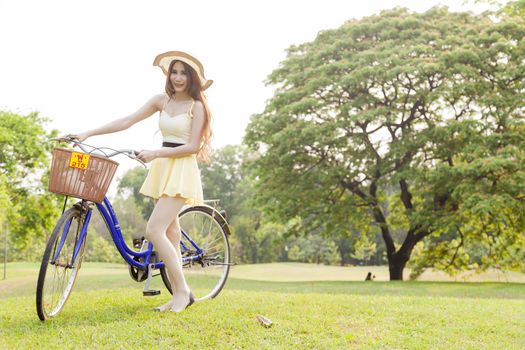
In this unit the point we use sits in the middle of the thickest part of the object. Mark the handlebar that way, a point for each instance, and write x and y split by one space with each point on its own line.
99 150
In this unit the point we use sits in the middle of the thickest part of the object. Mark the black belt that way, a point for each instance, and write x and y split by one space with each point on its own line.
171 144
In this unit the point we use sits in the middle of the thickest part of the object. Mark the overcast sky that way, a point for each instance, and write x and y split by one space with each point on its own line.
84 63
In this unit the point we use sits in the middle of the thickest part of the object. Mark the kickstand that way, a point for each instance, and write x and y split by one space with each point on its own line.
150 292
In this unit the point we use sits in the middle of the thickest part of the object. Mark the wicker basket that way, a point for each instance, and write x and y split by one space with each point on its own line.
81 175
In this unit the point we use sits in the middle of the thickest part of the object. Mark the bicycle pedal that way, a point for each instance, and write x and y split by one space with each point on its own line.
150 293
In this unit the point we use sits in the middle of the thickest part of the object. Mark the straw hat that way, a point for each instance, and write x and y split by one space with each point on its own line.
164 59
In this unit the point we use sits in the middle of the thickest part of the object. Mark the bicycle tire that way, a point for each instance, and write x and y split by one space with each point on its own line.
56 280
206 278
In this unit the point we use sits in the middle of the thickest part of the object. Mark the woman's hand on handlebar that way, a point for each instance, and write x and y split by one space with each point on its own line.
72 138
81 137
146 155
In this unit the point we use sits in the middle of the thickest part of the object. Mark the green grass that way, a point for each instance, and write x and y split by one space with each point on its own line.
107 310
286 272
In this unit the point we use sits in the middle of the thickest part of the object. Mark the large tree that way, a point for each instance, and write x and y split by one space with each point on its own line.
410 122
30 211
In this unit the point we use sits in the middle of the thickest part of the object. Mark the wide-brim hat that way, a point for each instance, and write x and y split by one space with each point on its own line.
164 60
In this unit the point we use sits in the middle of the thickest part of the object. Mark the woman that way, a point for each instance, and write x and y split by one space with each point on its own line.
174 178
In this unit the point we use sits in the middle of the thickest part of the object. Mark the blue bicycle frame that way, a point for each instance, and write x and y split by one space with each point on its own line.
106 210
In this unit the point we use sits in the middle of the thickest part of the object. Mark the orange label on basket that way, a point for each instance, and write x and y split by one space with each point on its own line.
79 160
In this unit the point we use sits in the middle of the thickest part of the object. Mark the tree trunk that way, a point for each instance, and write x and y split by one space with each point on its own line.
396 265
398 260
254 255
343 247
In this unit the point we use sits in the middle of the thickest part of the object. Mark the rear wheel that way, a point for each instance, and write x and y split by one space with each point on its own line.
58 272
207 273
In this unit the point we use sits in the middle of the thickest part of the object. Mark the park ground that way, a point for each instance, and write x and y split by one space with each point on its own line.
311 307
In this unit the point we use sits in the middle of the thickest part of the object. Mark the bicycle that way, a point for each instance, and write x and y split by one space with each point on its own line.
204 244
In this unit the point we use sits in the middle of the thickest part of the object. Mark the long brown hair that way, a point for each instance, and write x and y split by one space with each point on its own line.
194 89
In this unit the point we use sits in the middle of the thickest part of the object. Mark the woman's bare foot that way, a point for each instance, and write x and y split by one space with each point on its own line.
181 301
164 307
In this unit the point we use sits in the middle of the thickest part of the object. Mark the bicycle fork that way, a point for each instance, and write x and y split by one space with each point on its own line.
79 239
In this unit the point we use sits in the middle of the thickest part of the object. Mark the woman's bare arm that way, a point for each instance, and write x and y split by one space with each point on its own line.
150 107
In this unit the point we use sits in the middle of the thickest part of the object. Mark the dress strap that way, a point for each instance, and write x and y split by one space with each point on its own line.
165 102
190 111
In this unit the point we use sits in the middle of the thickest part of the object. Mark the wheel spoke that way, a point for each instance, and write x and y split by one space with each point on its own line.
209 244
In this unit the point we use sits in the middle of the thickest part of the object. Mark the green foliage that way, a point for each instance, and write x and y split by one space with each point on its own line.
24 143
221 177
364 249
130 183
408 122
30 224
100 245
255 238
313 249
100 250
30 211
507 8
515 8
132 225
5 201
225 179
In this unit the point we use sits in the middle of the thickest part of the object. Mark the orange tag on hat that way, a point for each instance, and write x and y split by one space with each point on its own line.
79 160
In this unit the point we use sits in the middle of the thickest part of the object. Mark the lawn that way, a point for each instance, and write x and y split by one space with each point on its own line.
107 310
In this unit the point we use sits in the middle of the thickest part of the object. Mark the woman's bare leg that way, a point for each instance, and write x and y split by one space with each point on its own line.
174 235
164 214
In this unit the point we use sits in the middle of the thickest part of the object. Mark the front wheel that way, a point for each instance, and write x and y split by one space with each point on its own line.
58 271
206 275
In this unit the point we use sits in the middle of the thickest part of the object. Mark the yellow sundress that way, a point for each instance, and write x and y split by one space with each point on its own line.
175 177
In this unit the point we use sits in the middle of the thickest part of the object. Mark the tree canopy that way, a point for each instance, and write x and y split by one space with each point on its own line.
407 124
24 160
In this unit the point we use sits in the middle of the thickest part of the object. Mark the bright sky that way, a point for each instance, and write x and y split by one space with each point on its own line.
85 63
